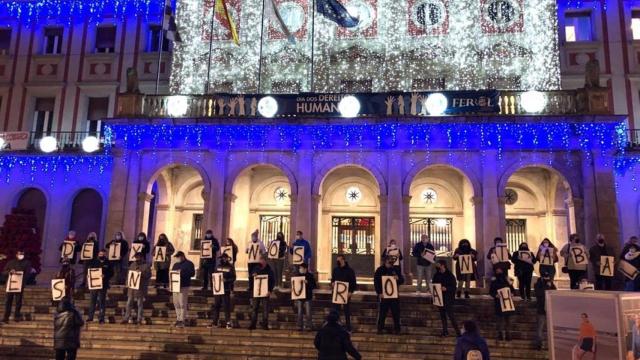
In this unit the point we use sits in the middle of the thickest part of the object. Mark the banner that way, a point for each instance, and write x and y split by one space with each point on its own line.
506 300
436 292
607 264
206 249
160 254
58 289
298 255
133 279
429 255
466 264
389 287
274 249
174 281
217 282
15 140
260 286
67 249
14 282
114 251
87 251
94 278
340 292
254 253
135 248
298 288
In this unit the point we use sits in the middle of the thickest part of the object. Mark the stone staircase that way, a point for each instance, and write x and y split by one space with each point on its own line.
157 339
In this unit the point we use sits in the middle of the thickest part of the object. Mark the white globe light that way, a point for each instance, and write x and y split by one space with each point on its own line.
349 106
267 106
436 104
533 101
177 105
90 144
48 144
3 143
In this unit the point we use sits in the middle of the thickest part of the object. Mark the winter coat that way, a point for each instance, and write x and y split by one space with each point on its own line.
345 274
417 251
333 342
164 265
467 342
474 256
447 280
522 267
210 263
228 276
307 249
385 271
67 323
124 250
266 270
595 252
187 271
145 277
76 249
23 265
498 283
539 289
282 248
311 284
107 270
504 265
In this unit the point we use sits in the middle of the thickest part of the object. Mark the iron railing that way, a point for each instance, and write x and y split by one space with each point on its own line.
66 140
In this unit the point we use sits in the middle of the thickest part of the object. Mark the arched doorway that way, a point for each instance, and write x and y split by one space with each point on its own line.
35 200
86 213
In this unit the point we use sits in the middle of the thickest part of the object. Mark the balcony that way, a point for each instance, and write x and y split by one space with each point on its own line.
66 141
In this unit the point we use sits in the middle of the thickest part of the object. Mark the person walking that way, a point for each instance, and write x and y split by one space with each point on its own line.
464 248
99 296
304 305
343 273
544 283
208 265
595 255
423 266
181 299
447 281
587 339
503 321
228 271
67 324
470 345
262 268
162 267
118 266
523 261
277 265
333 342
547 247
92 238
577 271
138 295
386 305
19 264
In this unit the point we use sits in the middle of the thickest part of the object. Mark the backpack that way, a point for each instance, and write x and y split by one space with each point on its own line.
474 355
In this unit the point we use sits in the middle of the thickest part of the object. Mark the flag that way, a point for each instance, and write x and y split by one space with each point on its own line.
169 23
273 14
336 12
221 9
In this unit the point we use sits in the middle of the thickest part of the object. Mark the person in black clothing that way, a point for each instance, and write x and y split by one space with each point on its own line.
207 266
464 248
503 323
504 265
333 342
71 237
445 278
118 265
544 283
162 267
393 250
384 305
523 261
99 297
633 240
19 264
423 267
228 277
91 238
277 265
146 247
67 323
595 252
304 306
342 272
261 269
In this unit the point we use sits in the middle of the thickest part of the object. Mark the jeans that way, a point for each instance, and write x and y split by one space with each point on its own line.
384 307
130 301
347 313
466 282
304 309
503 324
603 282
540 322
98 297
277 265
424 272
66 354
255 307
575 276
221 301
524 285
9 301
181 303
447 311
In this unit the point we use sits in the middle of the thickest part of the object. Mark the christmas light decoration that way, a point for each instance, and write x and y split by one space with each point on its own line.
267 106
90 144
436 104
177 105
48 144
533 101
349 106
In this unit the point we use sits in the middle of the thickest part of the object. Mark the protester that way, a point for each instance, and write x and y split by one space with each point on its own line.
504 265
208 265
632 257
71 237
67 324
67 273
393 250
262 268
228 278
263 251
99 296
523 261
553 253
181 299
300 241
503 321
470 345
384 305
91 238
447 281
304 306
118 266
277 265
162 267
576 272
423 266
146 247
595 252
342 272
464 248
19 264
633 240
544 283
234 249
138 295
333 342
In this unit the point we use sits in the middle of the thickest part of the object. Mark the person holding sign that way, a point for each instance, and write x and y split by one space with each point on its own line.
303 288
465 257
633 240
227 272
523 260
300 241
596 252
547 257
388 293
181 299
17 265
69 275
138 284
342 273
632 258
162 260
69 248
209 248
499 255
230 248
470 345
393 250
504 305
447 282
118 259
333 342
261 283
67 324
423 266
576 259
88 252
146 247
544 283
255 249
99 295
277 254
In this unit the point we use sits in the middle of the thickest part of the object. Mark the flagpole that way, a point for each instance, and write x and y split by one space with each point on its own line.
261 45
160 43
313 23
213 16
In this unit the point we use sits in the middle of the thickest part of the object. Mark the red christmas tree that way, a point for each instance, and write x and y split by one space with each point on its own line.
20 232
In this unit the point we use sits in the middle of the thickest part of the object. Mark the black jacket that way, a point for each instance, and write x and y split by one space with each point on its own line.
385 271
76 250
345 274
311 284
67 323
209 263
266 270
594 255
474 257
228 276
447 280
522 267
107 271
417 251
23 265
498 283
146 247
540 288
187 271
334 343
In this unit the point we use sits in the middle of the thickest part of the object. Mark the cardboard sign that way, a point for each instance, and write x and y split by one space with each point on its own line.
14 282
87 251
394 252
607 264
298 255
429 255
466 264
94 278
546 257
174 281
506 300
436 292
67 249
274 249
389 287
217 282
253 256
298 288
58 289
502 253
114 251
579 256
135 248
133 279
229 251
340 292
260 286
206 249
160 254
627 269
525 256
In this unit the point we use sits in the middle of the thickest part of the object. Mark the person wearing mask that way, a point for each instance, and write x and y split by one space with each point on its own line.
146 247
384 305
181 299
91 238
67 323
504 265
300 241
19 264
633 240
544 283
553 253
333 342
118 266
447 281
595 252
576 272
523 261
423 266
162 267
234 249
470 345
228 278
207 266
263 251
262 268
99 296
277 265
71 237
304 306
632 257
464 248
503 321
342 272
67 273
393 250
140 294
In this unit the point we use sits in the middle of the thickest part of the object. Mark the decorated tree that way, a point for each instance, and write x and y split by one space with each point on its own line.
21 232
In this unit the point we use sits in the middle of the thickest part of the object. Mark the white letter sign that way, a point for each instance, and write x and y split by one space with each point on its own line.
506 301
260 286
135 248
254 253
14 282
133 279
57 289
274 249
436 291
217 282
502 252
298 288
429 255
114 251
159 253
298 255
606 265
67 250
87 251
174 281
546 257
340 294
578 255
229 251
389 287
206 249
466 264
396 253
94 278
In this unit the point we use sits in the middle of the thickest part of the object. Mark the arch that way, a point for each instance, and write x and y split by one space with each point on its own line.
530 187
186 188
148 181
336 164
425 164
86 212
34 198
276 180
455 194
352 180
234 173
512 169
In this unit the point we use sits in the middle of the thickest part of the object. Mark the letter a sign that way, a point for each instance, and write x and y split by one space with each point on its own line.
298 288
436 290
607 265
389 287
340 293
160 253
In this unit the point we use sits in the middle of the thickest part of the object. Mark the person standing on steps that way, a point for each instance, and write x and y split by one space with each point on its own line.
595 252
547 246
447 281
146 247
423 266
91 238
300 241
342 272
263 251
333 342
118 266
393 250
304 306
384 305
544 283
69 275
464 248
496 263
262 268
577 271
19 264
277 265
140 294
470 345
162 267
234 249
71 237
523 261
181 299
208 265
228 278
67 324
503 318
99 296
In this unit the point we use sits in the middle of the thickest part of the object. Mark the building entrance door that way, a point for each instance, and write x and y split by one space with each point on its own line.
354 237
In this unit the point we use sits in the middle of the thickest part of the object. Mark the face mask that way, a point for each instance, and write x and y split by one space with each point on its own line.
465 245
140 238
139 261
577 241
72 236
545 244
299 237
118 237
178 261
20 257
338 263
303 271
92 239
103 258
600 241
632 251
392 245
208 236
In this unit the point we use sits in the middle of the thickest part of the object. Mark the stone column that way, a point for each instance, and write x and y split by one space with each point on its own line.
395 206
315 203
492 216
304 218
481 244
216 168
228 200
384 231
406 240
144 201
576 218
118 193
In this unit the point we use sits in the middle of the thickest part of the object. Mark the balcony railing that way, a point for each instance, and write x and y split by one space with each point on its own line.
65 141
633 142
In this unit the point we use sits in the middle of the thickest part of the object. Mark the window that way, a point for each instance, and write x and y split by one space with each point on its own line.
106 39
635 24
578 27
5 41
43 117
153 37
52 40
96 111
